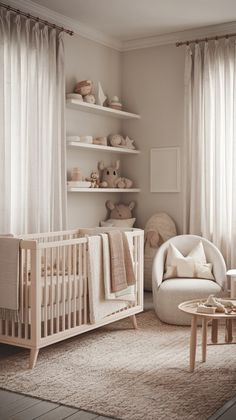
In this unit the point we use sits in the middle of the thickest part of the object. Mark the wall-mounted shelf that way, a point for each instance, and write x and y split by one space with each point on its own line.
102 148
104 190
97 109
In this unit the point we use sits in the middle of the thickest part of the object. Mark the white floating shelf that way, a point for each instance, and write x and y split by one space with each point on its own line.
97 109
103 148
103 190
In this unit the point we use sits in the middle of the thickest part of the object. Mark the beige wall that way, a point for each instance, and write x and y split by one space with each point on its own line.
152 85
85 59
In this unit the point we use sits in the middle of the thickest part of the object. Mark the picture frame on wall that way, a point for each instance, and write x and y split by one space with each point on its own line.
165 170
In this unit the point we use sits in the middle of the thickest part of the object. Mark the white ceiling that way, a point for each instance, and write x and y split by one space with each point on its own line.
132 19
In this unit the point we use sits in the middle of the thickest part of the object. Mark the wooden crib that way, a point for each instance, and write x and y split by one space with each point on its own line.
54 295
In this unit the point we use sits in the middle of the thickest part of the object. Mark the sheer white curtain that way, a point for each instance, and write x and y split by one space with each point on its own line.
210 144
32 140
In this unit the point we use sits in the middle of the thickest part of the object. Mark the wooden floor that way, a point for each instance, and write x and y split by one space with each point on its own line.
227 412
20 407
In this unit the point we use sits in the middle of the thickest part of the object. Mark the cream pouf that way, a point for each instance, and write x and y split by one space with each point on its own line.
172 292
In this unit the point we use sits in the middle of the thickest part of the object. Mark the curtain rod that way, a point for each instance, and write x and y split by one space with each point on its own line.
196 41
37 19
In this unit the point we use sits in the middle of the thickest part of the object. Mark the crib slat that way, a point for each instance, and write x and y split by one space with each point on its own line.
13 329
26 303
63 289
74 248
69 284
57 290
45 300
21 292
136 263
51 290
140 275
6 327
85 281
80 281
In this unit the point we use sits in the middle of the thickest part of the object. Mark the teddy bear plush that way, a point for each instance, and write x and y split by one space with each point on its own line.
94 179
120 214
110 177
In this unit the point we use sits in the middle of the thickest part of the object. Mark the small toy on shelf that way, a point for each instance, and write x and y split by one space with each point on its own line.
77 180
94 179
76 174
86 139
128 143
101 97
101 141
120 214
76 96
124 183
115 103
84 87
90 99
73 138
110 177
117 140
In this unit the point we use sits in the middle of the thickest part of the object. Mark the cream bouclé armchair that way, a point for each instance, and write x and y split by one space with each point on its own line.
168 294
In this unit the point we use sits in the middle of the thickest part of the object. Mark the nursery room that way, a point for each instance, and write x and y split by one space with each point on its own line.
117 210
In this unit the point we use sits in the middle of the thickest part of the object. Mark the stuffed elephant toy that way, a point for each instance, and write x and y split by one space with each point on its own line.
110 177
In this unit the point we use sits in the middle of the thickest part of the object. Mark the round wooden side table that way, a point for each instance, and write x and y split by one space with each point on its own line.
190 307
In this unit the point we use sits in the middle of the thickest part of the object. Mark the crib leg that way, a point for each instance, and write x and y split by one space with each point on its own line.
134 321
33 358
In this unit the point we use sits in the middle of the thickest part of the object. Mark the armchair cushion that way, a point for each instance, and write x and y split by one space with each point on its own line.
193 265
174 291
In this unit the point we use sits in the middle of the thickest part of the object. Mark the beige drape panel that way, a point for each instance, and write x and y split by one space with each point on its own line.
210 144
32 138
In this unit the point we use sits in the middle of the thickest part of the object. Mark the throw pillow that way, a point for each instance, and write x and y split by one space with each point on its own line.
185 267
193 265
198 254
204 271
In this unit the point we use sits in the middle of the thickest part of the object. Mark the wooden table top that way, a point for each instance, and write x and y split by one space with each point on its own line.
190 307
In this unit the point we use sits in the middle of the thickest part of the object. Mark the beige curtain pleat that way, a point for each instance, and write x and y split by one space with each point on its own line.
32 133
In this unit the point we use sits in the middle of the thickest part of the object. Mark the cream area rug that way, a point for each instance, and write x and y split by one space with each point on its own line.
127 374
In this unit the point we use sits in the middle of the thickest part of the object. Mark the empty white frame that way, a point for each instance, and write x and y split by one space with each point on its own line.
165 169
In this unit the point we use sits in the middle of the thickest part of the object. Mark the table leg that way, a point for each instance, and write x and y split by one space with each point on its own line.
204 339
214 331
193 343
228 330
